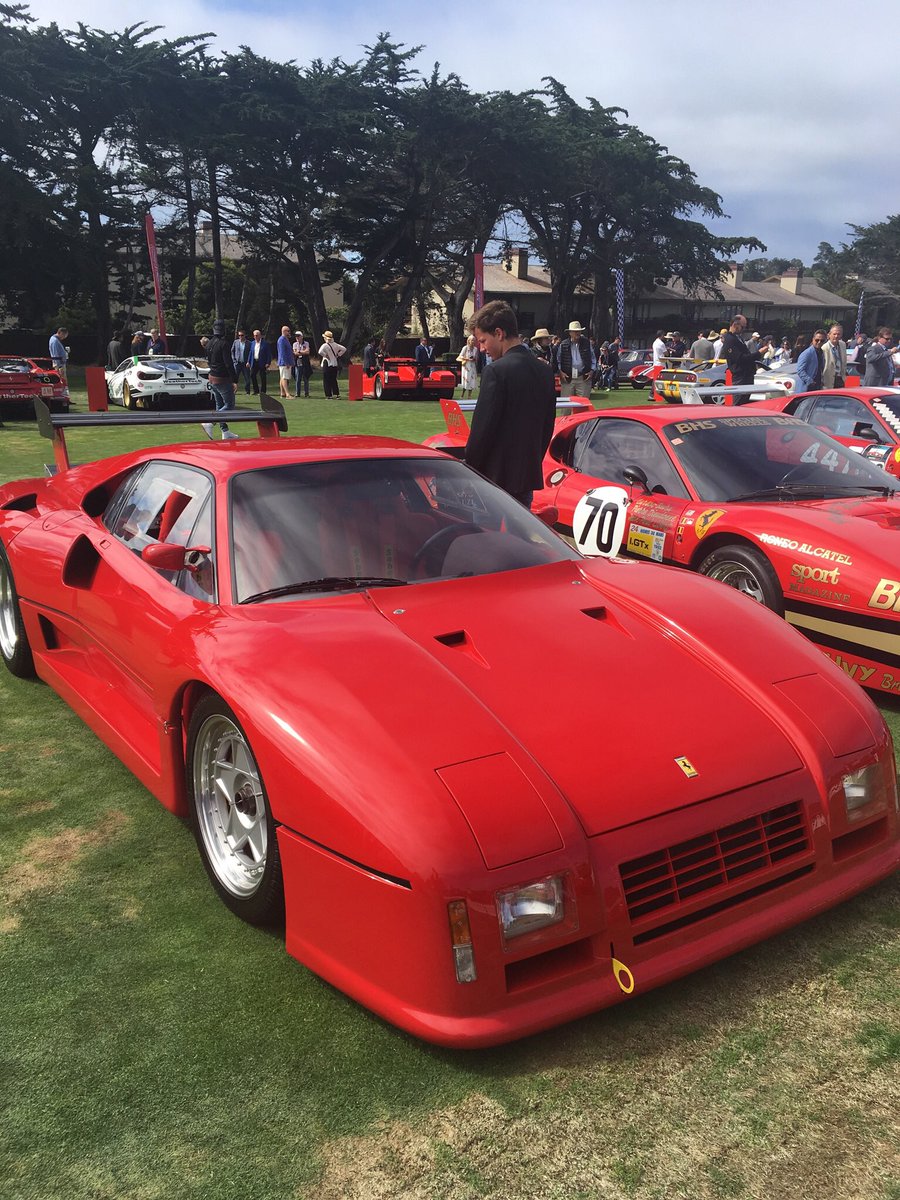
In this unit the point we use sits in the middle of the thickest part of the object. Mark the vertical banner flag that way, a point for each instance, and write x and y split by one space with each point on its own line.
858 330
479 280
154 269
620 301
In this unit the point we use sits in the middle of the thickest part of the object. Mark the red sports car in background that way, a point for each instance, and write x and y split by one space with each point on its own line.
23 379
399 379
865 419
334 655
762 502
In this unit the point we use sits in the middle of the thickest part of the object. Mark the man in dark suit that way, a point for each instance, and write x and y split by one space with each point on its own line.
424 357
260 357
513 419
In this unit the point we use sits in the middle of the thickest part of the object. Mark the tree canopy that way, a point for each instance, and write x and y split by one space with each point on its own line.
367 169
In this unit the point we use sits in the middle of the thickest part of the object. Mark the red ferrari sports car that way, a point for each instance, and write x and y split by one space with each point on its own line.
865 419
23 379
327 652
399 379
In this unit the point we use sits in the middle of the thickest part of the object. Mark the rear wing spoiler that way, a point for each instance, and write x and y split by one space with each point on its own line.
716 394
270 419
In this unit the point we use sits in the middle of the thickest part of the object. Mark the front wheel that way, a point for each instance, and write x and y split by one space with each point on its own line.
378 388
14 646
747 571
230 815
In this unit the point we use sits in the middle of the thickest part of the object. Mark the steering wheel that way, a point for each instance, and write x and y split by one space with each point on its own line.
438 544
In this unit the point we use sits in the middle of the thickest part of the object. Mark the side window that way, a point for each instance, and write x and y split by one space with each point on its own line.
802 408
841 414
617 444
199 579
163 502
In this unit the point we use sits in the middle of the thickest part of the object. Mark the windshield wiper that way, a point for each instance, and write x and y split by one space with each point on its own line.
329 583
811 491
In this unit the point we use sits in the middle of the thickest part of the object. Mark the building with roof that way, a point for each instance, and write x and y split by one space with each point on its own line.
788 303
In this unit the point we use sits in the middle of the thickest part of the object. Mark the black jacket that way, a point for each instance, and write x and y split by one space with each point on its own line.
218 355
513 421
741 361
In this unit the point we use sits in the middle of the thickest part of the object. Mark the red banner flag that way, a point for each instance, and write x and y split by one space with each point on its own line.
479 281
154 268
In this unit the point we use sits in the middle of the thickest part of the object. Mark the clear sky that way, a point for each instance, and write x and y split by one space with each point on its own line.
786 108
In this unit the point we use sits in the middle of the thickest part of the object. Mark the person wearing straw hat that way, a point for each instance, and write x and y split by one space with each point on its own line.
540 345
331 353
575 362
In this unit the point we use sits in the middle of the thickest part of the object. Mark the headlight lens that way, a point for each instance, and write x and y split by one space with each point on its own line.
534 906
866 791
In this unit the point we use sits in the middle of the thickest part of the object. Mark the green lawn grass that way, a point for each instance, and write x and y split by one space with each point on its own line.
153 1047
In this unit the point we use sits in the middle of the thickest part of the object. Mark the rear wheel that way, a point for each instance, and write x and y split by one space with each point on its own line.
14 645
127 399
230 815
747 571
378 389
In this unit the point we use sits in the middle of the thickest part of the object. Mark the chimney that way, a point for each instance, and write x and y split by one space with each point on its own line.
792 280
734 275
521 264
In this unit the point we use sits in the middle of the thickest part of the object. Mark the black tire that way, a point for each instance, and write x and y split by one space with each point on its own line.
231 817
126 396
747 571
14 647
378 387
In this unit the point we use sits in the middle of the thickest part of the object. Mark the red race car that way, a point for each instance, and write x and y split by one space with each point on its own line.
334 656
763 502
23 379
400 379
865 419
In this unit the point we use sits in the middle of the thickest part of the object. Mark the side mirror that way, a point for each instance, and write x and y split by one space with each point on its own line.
637 476
166 556
862 429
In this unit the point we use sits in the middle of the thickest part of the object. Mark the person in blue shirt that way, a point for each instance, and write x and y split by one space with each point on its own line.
59 353
285 352
810 364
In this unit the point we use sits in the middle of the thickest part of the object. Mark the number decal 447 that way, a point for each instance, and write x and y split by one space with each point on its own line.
598 525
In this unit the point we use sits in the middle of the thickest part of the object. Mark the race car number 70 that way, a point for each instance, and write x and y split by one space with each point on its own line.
598 524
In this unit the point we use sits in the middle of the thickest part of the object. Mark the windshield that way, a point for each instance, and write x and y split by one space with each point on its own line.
631 357
740 457
339 526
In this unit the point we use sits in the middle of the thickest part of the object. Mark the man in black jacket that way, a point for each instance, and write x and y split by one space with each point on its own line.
740 358
513 419
222 377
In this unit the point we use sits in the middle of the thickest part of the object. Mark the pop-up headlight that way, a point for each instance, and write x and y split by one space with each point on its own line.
868 791
534 906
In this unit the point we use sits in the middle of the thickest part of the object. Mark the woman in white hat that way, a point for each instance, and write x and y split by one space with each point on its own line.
331 353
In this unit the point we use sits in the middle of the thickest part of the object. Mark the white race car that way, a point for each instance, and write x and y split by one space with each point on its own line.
159 381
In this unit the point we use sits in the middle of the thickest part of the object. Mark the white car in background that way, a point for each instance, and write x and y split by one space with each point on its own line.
159 381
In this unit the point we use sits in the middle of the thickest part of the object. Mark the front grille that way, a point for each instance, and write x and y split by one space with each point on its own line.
738 852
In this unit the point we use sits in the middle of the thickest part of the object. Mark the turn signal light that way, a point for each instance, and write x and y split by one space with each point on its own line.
461 940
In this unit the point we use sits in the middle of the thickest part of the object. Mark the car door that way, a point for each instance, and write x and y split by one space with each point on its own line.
597 455
129 612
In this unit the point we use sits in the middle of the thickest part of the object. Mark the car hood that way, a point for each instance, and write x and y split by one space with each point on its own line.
855 526
627 717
